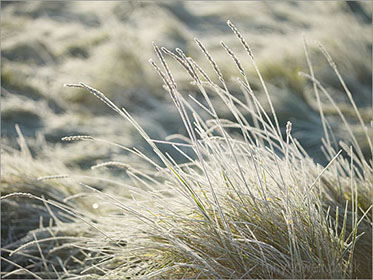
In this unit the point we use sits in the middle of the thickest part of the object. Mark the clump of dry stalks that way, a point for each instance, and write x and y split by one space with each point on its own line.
247 202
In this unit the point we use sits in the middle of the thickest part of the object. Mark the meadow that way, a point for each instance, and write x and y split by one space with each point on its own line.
186 140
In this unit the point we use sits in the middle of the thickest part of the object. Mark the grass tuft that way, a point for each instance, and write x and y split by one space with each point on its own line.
247 202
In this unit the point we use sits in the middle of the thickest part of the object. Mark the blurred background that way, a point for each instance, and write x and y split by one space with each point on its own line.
107 46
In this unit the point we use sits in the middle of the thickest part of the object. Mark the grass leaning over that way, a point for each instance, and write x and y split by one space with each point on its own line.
246 203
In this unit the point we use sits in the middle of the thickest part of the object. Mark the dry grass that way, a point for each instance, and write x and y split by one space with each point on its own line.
247 201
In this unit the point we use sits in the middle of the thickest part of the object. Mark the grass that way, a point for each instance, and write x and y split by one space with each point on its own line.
247 201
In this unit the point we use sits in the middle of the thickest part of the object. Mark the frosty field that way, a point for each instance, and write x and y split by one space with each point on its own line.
242 150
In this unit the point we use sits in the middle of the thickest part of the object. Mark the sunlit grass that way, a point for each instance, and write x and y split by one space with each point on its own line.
247 201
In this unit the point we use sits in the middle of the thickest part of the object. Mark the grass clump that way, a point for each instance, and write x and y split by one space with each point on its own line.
13 82
33 52
247 202
284 74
